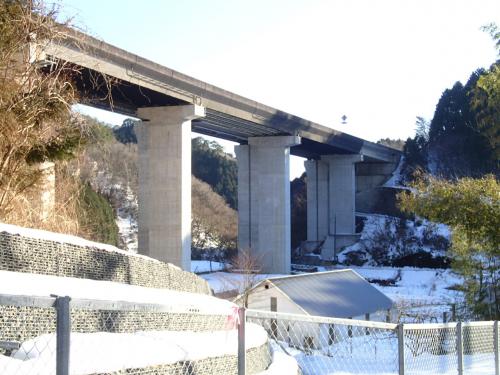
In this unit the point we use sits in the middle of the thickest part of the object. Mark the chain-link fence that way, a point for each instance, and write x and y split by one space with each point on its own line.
57 335
63 336
342 346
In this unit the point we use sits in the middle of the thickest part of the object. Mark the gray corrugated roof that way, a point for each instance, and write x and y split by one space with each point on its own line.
340 294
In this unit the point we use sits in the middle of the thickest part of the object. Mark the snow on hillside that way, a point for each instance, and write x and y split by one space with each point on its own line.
126 219
26 284
395 181
127 229
386 238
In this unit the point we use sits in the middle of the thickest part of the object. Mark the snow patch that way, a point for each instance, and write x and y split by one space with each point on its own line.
26 284
282 363
112 352
385 238
396 178
203 266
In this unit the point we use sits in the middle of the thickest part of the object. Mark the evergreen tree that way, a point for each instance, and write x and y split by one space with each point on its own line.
486 100
212 165
126 133
415 149
97 216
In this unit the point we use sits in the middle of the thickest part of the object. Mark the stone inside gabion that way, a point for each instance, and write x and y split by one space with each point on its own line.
33 255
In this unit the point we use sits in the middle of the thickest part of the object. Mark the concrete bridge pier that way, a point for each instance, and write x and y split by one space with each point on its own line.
331 201
317 199
264 200
164 142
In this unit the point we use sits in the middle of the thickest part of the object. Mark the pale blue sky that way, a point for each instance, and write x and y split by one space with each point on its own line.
380 62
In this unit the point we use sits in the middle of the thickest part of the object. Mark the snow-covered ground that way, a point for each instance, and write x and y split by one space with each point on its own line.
282 363
26 284
112 352
421 293
203 266
360 356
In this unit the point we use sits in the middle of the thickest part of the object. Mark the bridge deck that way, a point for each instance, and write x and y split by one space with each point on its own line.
143 83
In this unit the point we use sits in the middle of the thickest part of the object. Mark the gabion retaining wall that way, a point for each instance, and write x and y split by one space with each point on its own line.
24 323
27 322
257 360
41 256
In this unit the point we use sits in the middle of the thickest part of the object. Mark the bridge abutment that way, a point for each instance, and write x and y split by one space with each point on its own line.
264 200
164 142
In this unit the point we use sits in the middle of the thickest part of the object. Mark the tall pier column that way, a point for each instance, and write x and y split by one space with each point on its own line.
342 192
264 200
341 201
317 199
164 142
331 202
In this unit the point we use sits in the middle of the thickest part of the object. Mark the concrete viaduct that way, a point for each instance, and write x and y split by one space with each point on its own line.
171 105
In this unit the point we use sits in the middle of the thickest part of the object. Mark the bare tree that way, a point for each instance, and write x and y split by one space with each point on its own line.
248 266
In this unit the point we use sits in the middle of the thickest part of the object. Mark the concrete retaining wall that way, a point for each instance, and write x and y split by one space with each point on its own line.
34 255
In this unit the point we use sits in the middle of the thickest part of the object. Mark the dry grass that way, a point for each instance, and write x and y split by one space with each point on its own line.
26 209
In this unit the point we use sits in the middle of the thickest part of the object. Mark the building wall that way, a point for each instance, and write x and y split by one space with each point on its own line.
296 334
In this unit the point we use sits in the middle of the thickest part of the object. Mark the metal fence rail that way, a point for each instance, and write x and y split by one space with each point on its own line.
328 345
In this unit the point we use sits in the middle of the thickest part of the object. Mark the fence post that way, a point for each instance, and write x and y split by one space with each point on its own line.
401 348
274 322
497 351
241 342
63 331
460 349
